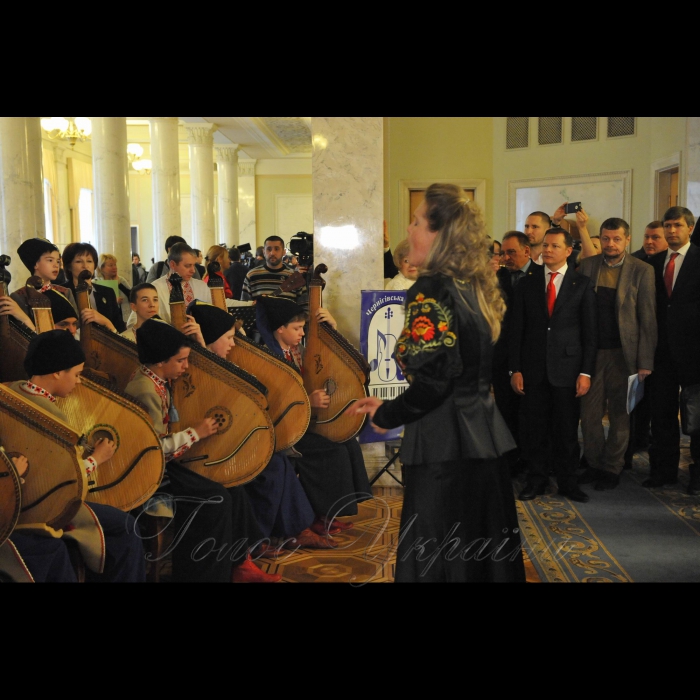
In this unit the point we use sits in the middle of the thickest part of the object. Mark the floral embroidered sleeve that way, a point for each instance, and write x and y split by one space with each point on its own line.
428 352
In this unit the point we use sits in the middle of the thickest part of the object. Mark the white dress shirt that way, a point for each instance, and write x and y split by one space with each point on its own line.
557 280
682 252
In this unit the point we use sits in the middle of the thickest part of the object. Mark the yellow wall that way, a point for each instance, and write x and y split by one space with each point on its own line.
435 148
267 188
656 137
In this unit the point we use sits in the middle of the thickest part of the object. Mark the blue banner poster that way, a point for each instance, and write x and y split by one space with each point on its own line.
380 328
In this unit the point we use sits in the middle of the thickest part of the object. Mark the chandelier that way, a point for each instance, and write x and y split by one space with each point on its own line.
142 166
71 129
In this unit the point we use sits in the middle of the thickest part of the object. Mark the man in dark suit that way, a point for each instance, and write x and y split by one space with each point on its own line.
552 346
654 242
516 257
626 300
677 361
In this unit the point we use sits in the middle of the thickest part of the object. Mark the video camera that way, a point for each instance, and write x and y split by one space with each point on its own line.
302 245
246 255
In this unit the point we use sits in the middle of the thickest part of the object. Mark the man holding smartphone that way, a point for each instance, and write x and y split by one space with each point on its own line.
588 250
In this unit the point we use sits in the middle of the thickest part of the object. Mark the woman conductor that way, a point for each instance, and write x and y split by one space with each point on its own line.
459 521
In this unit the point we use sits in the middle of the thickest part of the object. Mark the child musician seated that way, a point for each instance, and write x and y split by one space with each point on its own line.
42 259
145 305
333 475
30 558
206 513
109 539
279 502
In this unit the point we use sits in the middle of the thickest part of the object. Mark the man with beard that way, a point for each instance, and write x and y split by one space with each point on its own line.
625 296
267 279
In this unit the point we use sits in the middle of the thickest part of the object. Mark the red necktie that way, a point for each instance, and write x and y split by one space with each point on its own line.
670 272
551 294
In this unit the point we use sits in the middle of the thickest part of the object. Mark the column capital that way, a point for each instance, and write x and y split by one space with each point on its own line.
246 168
227 153
201 134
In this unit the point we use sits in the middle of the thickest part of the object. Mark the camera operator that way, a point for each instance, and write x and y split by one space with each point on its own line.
267 279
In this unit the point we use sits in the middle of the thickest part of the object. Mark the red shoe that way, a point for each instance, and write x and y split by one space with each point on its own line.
342 526
247 572
310 540
320 527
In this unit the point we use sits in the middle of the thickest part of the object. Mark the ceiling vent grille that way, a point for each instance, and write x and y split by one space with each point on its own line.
517 133
550 130
584 128
621 126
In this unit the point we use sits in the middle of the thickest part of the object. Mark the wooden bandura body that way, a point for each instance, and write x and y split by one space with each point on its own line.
14 337
135 471
215 388
289 405
332 364
288 402
55 485
10 497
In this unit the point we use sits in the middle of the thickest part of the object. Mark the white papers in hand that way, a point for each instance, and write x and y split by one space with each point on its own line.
635 392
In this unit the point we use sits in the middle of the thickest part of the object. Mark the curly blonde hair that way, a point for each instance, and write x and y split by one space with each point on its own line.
461 249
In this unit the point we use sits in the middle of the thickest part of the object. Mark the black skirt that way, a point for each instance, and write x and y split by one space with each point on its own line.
459 524
333 475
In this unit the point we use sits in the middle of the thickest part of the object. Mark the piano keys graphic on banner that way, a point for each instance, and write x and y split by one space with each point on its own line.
381 325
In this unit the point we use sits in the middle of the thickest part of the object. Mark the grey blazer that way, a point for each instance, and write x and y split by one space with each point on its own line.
636 309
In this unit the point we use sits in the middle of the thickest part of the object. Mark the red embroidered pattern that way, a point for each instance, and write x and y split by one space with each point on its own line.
38 391
162 391
186 290
422 329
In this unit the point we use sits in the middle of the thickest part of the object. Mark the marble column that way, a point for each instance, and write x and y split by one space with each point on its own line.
227 163
111 188
692 166
201 141
348 191
247 222
165 154
21 189
63 233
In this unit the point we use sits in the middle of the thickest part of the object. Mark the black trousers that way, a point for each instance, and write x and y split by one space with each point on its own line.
214 527
507 401
665 448
549 419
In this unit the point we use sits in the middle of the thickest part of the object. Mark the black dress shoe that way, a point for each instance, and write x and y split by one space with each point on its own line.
655 483
531 491
575 494
607 482
591 475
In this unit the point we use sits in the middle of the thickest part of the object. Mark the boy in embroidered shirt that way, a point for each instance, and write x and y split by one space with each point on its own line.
332 474
205 511
145 304
279 502
112 544
42 259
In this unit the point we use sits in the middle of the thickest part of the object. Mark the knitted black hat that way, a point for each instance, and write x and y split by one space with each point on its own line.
213 320
31 251
51 352
158 341
276 311
61 308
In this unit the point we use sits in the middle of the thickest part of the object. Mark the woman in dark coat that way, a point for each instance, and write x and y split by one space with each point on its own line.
83 256
459 522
